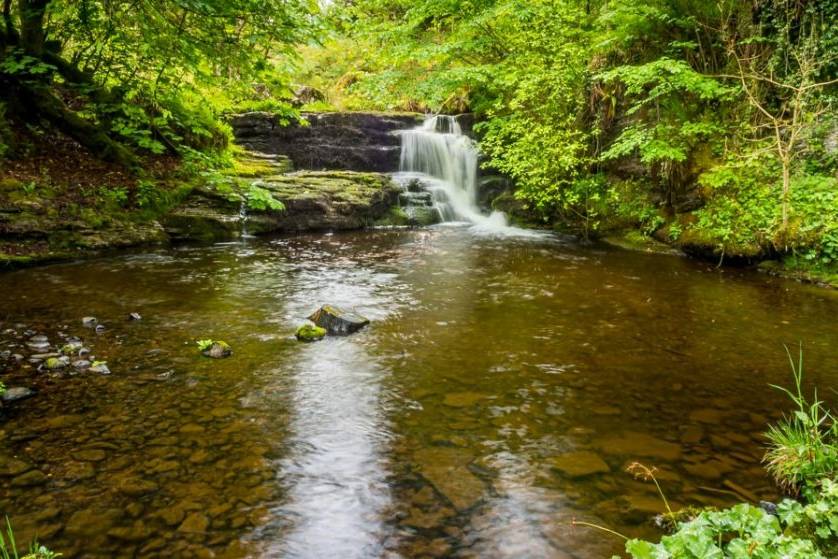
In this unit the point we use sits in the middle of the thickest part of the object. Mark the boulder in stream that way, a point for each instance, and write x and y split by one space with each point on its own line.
338 322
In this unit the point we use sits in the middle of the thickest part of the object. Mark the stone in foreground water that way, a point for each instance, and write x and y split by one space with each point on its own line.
337 321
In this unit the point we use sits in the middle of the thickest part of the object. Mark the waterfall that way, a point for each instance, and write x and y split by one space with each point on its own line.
444 160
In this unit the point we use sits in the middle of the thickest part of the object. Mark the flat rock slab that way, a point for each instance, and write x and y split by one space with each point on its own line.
338 322
580 464
447 470
632 444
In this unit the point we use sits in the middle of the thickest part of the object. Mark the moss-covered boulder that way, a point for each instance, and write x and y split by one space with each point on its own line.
330 200
215 349
310 333
338 322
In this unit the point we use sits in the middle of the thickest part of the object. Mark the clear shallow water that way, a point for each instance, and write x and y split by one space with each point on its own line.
441 430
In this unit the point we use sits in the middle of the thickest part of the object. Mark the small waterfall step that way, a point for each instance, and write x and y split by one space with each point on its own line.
439 159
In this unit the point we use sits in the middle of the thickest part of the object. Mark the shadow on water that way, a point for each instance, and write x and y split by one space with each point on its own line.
501 390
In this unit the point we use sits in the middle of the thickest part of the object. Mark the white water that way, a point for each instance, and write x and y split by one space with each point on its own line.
444 160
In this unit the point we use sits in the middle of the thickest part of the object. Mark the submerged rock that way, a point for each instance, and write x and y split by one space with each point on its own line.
635 444
100 367
580 464
218 350
310 333
337 321
14 393
54 363
135 316
447 470
89 321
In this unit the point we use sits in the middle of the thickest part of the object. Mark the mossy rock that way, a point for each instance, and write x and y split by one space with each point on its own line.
54 363
218 350
395 217
310 333
10 184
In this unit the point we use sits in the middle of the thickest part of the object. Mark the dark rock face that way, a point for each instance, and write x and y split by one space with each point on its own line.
338 322
348 141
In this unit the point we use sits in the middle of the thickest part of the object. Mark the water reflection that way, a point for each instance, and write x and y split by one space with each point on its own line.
335 473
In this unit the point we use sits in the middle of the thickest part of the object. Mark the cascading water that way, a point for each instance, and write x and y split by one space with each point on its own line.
444 160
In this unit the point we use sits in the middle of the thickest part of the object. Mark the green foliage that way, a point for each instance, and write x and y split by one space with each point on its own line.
570 95
8 547
260 199
803 446
676 109
2 388
743 532
204 345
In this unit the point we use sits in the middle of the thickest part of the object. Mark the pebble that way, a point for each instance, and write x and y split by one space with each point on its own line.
135 316
89 321
101 368
81 364
30 478
90 455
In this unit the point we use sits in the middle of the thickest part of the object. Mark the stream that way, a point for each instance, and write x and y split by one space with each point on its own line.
500 392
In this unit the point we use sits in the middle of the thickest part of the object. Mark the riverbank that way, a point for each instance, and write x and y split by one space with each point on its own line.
328 173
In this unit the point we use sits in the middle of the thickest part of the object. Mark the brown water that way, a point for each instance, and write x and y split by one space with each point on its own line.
441 430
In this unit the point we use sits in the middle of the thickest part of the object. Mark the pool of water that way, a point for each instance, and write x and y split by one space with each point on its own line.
500 392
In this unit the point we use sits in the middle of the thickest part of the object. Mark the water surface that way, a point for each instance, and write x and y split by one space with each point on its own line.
500 392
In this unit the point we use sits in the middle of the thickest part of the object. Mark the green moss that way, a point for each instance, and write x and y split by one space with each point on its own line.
801 270
54 363
633 239
394 217
10 184
310 333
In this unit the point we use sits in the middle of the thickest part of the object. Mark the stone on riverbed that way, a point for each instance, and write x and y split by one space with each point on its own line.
89 321
447 470
54 363
633 444
310 333
99 367
337 321
580 464
14 393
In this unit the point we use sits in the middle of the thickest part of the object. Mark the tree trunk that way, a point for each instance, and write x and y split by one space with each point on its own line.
32 34
84 132
786 193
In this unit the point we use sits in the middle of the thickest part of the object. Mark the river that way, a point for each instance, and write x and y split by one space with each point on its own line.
501 390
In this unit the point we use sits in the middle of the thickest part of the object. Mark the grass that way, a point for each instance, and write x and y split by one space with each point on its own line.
803 446
8 547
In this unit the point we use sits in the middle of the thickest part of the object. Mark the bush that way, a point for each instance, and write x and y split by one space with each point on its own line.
745 531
